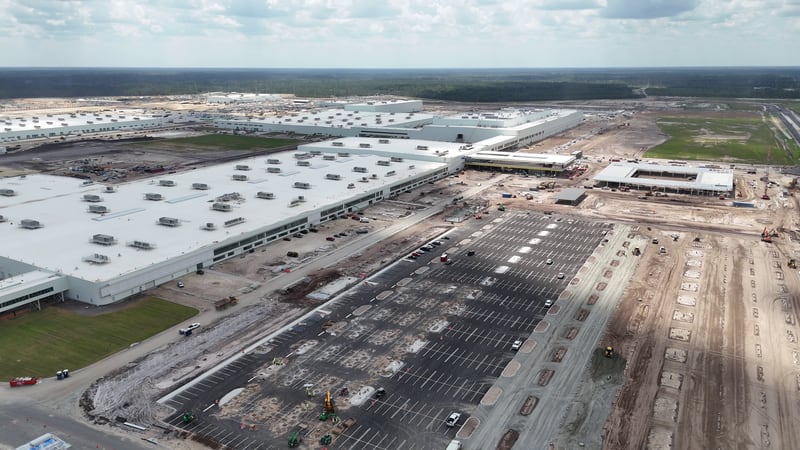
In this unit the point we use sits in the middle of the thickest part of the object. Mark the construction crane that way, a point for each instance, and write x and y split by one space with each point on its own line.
766 175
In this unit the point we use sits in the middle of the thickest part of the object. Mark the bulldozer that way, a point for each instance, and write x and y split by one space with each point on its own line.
187 417
608 352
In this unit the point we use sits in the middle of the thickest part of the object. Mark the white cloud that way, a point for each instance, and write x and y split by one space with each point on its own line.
400 33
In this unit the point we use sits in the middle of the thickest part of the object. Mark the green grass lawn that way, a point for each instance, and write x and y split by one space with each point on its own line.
229 142
735 140
43 342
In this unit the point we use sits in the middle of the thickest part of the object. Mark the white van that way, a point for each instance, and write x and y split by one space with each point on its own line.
454 445
363 220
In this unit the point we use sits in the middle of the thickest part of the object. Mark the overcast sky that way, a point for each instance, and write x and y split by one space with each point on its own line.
399 33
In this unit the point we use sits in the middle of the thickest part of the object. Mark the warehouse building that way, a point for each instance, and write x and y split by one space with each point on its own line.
17 129
532 163
99 244
663 178
570 196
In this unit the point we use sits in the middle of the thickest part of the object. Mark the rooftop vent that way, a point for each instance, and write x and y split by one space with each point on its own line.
96 258
302 185
168 183
383 141
142 245
391 173
265 195
273 161
154 197
338 144
351 186
302 155
374 176
242 167
7 192
329 157
411 166
277 169
200 186
396 159
232 222
169 221
315 152
30 224
364 180
98 209
383 162
304 163
209 226
333 176
300 199
364 145
92 198
224 207
103 239
360 169
343 155
422 147
239 177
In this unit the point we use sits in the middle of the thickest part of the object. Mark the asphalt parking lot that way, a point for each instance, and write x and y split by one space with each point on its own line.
435 335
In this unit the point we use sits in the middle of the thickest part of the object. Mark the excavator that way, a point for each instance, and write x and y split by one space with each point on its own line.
765 236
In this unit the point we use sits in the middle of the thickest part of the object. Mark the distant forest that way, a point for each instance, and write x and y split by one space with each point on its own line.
467 85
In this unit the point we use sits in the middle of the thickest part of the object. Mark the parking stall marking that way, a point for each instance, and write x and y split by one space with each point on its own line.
464 358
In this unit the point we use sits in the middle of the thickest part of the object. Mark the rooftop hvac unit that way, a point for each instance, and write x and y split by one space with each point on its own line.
98 209
364 180
154 197
396 159
422 147
103 239
111 189
30 224
411 167
273 161
315 152
200 186
304 163
92 198
383 162
7 192
209 226
383 141
266 195
276 169
391 173
242 167
333 176
224 207
351 186
295 202
343 155
337 144
169 221
374 176
232 222
360 169
142 245
96 258
329 157
167 183
302 155
238 177
302 185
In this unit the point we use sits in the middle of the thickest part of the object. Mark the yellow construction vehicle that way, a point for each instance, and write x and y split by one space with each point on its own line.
608 352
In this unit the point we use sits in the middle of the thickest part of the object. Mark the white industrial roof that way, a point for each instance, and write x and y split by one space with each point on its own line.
338 118
51 121
58 203
9 287
529 158
411 148
505 118
704 179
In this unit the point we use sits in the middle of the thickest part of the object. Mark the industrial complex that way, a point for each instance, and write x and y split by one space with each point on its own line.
18 129
103 243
